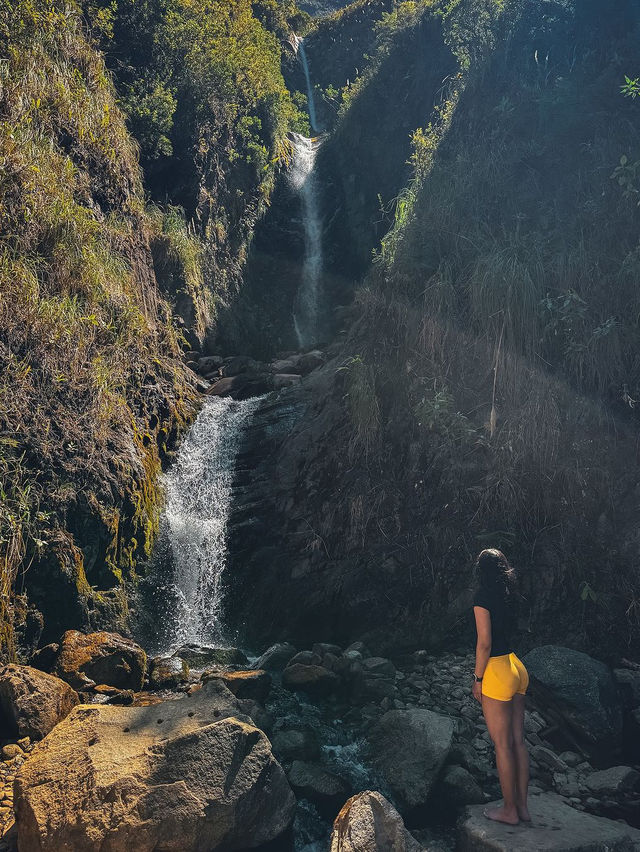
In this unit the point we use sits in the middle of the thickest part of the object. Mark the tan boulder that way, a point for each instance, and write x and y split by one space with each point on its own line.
85 660
180 776
369 823
32 702
254 683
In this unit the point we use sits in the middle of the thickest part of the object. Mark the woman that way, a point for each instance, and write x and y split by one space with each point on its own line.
500 683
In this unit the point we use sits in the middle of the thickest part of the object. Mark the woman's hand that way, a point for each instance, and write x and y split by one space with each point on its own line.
476 691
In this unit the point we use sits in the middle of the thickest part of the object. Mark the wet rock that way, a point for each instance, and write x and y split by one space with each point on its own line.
555 827
45 658
409 748
284 365
314 680
285 380
310 361
582 690
230 386
253 684
295 744
612 781
167 672
458 787
275 657
85 660
200 656
33 702
239 364
327 791
183 776
369 823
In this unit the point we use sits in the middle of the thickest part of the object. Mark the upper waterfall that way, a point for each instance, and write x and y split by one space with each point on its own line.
303 180
311 104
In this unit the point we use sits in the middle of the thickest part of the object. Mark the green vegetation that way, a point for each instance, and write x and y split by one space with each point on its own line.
91 382
500 319
200 79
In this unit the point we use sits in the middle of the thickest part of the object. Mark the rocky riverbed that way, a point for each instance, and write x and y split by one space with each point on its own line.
308 749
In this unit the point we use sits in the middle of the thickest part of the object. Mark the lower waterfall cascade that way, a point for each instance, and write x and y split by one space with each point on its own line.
190 555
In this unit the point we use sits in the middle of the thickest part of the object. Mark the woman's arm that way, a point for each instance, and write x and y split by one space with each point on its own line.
483 646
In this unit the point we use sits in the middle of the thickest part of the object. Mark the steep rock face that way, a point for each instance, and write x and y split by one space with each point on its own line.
462 410
366 159
181 775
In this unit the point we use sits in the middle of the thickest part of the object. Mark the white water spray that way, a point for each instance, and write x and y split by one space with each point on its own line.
194 523
303 180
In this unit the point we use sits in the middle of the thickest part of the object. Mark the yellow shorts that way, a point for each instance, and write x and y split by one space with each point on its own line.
503 677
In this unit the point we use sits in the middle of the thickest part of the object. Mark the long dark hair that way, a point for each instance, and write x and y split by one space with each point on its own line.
494 572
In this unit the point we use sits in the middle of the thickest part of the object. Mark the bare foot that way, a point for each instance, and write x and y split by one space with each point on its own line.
524 814
502 815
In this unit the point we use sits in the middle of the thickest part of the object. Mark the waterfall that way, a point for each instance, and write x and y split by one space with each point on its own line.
303 180
311 104
190 556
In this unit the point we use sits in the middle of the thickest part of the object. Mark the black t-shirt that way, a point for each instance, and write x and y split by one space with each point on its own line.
500 608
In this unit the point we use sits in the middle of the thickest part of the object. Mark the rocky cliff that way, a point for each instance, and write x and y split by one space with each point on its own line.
486 388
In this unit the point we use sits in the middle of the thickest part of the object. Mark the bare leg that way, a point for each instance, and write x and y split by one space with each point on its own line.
522 757
498 717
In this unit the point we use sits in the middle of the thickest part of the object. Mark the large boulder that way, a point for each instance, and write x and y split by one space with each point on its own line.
32 702
582 690
409 748
186 775
369 823
555 827
85 660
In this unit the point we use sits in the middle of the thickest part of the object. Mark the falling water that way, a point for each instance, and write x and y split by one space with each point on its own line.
302 177
311 104
191 553
303 180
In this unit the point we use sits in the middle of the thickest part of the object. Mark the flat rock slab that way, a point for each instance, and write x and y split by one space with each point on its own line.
555 827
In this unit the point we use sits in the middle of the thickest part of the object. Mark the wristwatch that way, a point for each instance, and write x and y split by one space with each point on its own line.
476 678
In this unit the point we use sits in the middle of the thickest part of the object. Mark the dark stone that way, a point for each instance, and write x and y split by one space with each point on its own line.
315 680
582 690
295 744
45 658
326 790
275 657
